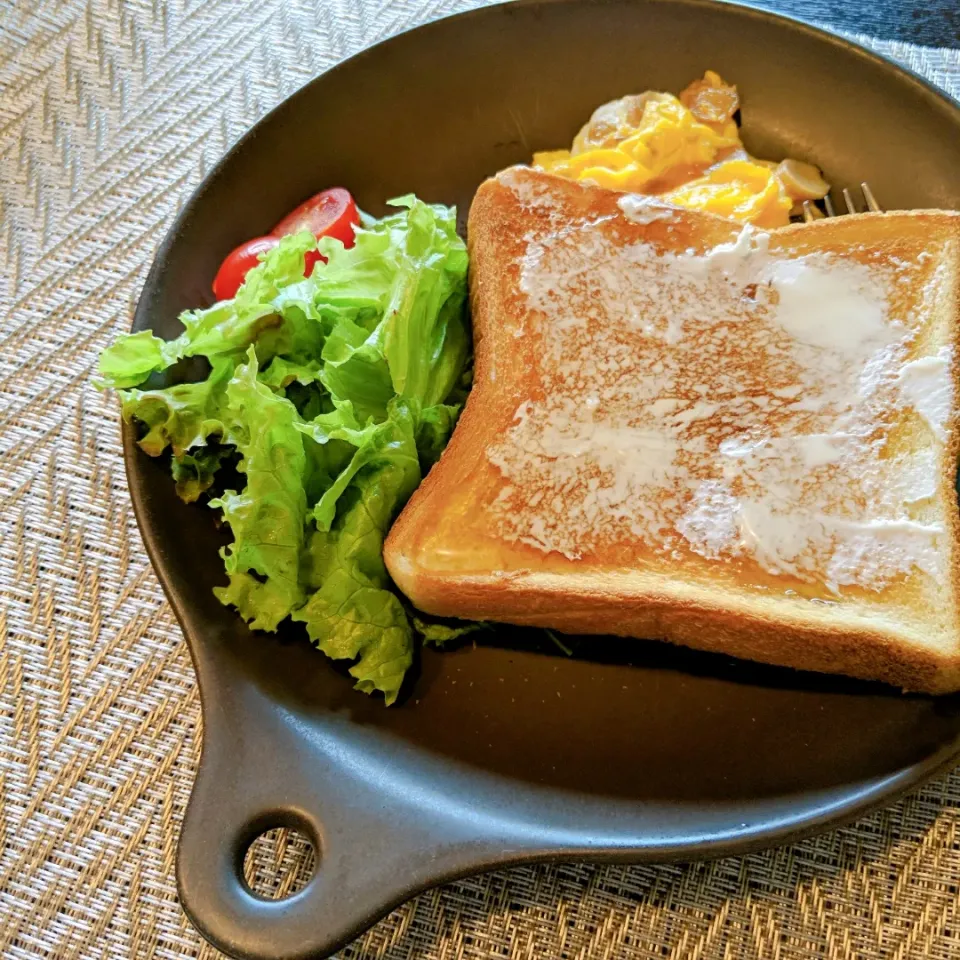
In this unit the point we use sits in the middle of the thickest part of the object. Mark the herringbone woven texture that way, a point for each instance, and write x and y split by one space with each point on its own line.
110 112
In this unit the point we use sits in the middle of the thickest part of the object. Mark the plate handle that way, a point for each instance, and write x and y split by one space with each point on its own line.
375 846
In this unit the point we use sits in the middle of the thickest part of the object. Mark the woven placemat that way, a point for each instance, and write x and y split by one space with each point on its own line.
110 113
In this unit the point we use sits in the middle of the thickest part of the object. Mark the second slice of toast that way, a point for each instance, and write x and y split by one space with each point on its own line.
679 429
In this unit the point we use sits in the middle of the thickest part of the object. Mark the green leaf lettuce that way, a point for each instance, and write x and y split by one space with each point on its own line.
330 396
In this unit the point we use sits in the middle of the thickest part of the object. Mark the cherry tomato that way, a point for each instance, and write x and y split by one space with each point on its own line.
236 264
330 213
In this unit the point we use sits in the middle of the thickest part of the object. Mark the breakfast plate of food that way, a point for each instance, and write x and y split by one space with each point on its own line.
544 470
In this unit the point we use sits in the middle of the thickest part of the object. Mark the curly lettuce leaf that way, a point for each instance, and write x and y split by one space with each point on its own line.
281 373
398 298
183 416
194 472
356 371
273 309
352 614
373 443
332 395
133 358
433 431
267 516
423 335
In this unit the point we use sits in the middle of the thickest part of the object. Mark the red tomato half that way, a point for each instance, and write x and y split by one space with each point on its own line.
236 264
330 213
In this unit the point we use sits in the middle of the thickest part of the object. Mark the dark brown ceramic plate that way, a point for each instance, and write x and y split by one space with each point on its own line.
513 752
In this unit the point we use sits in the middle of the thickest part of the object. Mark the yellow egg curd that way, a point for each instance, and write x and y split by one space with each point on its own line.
686 150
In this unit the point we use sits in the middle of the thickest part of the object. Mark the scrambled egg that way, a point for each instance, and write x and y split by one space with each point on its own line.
687 150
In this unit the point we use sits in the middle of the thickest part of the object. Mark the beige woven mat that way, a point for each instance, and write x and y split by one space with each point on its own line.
110 112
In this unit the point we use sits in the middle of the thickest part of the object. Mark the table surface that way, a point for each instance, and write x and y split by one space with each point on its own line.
111 111
935 23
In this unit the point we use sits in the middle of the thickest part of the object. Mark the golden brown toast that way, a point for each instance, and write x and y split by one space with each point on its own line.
738 441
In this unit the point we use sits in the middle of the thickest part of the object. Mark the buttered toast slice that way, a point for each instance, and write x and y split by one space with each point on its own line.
680 429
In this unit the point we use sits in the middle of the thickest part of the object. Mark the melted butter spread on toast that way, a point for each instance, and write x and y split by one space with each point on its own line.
731 402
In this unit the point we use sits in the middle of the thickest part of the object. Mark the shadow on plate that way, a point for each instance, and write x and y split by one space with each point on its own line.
649 721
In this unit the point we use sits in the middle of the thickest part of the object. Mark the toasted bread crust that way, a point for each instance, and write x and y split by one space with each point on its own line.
746 631
520 586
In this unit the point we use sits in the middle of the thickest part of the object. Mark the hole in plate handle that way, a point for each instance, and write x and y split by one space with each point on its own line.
278 857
